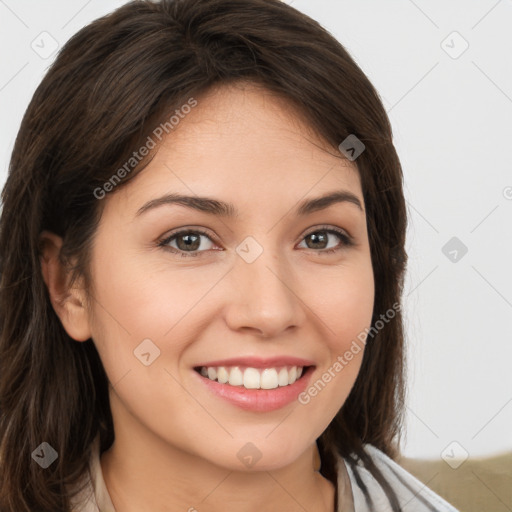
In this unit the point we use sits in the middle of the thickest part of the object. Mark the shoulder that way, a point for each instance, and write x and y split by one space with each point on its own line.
411 493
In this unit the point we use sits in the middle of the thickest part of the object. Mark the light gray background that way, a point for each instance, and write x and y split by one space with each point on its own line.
452 119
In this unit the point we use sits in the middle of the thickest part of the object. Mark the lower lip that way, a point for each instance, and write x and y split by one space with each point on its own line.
259 400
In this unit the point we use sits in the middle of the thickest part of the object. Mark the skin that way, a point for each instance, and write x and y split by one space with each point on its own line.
176 443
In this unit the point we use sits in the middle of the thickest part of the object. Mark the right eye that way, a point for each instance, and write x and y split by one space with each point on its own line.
187 242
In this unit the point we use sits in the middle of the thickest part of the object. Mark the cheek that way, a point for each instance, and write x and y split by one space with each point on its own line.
142 300
346 309
139 300
344 301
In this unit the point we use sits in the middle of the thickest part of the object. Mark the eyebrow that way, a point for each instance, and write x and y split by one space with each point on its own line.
223 209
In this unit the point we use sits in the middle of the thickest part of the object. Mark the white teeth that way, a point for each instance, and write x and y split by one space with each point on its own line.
283 377
222 374
235 377
269 378
253 378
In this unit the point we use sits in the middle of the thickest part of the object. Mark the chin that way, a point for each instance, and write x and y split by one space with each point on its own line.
259 455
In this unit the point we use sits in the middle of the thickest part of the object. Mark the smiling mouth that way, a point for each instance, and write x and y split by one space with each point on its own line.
253 378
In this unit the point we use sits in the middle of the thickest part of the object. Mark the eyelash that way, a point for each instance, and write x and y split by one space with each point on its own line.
346 241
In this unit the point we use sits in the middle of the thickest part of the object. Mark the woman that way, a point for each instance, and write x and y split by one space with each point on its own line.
202 258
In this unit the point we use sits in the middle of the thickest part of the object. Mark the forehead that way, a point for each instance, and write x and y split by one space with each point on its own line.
246 145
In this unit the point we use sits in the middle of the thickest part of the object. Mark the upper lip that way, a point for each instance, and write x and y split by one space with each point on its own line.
259 362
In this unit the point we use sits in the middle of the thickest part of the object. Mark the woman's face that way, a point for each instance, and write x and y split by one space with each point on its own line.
257 294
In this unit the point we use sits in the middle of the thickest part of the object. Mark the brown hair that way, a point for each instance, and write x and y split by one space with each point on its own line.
111 84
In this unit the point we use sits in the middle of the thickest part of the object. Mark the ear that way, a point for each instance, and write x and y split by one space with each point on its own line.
69 303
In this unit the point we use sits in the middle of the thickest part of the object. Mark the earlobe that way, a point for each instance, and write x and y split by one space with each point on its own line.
68 302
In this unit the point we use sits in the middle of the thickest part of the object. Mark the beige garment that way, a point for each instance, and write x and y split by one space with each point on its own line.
95 497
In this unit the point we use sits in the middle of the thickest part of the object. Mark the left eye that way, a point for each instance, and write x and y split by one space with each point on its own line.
321 236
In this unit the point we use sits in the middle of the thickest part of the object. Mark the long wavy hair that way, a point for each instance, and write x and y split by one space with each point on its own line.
110 85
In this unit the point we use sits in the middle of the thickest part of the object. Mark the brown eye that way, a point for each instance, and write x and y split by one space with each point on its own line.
322 240
187 241
318 239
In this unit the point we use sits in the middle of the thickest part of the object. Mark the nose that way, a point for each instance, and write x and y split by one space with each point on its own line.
263 298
